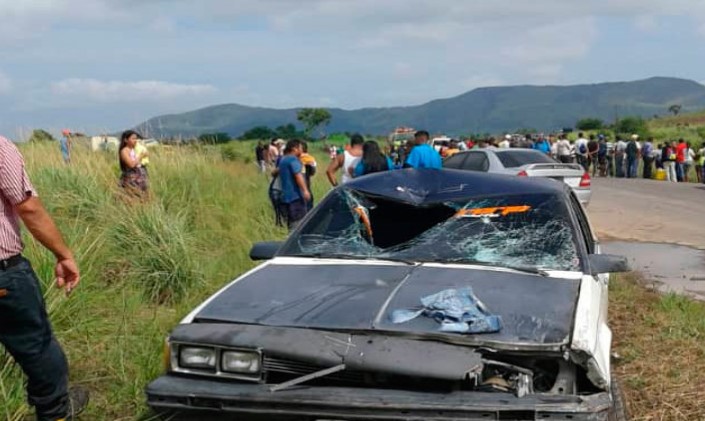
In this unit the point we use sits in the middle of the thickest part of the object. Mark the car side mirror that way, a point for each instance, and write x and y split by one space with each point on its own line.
265 250
608 263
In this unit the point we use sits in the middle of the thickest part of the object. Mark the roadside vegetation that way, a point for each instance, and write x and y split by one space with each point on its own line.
146 265
660 360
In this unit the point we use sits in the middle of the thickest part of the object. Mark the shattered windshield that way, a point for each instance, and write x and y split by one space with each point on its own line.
521 231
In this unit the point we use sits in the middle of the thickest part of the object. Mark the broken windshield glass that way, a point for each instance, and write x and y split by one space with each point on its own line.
520 230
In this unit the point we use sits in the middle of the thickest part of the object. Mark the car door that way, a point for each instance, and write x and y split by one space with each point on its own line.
476 161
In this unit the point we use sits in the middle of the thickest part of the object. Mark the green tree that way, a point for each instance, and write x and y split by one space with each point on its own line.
40 135
214 138
313 118
632 125
675 109
288 131
259 132
589 124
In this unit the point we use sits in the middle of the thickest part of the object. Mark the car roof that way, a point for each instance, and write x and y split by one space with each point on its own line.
501 151
429 186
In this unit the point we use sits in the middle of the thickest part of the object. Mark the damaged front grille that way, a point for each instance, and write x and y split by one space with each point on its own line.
279 370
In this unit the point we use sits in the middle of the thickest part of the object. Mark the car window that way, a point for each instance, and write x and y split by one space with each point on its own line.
584 224
455 161
516 230
476 161
517 158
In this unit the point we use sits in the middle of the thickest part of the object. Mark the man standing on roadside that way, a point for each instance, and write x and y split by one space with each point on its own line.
581 151
422 155
619 151
647 154
680 159
295 193
632 152
609 158
347 160
272 153
593 150
65 145
25 331
563 149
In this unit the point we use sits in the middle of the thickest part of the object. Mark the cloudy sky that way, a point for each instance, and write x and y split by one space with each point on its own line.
96 65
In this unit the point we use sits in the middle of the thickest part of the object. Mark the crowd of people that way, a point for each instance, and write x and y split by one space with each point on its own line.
292 169
599 155
623 157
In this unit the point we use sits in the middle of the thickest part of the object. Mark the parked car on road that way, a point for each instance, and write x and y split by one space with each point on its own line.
409 295
524 163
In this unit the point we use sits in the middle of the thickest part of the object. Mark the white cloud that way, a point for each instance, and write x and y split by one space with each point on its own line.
544 51
5 83
119 91
646 23
163 24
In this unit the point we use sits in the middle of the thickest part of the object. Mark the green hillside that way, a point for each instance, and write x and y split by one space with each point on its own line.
481 110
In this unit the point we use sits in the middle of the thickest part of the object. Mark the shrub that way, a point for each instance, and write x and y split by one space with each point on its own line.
40 135
214 138
156 250
231 153
589 124
632 125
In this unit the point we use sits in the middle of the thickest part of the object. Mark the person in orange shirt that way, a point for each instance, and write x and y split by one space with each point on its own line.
453 149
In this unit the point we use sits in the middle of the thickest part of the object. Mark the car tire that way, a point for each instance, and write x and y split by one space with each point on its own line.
618 412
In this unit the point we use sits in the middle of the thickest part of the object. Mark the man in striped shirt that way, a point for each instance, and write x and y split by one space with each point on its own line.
25 331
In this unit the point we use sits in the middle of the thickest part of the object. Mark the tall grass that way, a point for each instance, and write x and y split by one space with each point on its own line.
144 265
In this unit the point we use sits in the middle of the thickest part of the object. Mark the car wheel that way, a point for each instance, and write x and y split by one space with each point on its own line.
618 412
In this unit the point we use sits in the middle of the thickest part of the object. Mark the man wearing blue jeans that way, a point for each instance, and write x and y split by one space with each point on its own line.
25 331
295 193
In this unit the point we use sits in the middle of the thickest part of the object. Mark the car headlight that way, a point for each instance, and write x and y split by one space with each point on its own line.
240 362
197 357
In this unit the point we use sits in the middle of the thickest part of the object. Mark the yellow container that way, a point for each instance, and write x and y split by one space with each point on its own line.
660 174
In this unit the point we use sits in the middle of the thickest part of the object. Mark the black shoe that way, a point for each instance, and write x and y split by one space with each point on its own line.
78 401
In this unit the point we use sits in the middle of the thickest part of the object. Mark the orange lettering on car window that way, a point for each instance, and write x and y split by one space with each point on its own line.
492 211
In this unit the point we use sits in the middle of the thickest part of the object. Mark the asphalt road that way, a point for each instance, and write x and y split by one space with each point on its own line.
650 222
648 211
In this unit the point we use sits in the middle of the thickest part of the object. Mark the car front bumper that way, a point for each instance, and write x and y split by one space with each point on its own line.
211 399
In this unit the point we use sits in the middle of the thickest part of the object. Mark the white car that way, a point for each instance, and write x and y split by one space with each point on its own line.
524 163
409 295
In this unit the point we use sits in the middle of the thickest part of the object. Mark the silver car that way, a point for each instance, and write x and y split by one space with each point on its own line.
523 163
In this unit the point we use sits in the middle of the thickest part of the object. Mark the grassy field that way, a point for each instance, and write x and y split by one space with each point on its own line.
145 265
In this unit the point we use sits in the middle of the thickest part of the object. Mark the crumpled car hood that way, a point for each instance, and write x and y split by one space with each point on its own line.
536 311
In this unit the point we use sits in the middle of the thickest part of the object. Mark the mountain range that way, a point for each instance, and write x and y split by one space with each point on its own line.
492 109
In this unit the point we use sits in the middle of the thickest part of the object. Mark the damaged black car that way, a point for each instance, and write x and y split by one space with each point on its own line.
409 295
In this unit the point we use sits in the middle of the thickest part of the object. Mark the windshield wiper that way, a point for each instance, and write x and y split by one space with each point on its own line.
323 255
528 269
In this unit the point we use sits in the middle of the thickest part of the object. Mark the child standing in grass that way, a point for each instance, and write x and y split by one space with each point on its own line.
133 178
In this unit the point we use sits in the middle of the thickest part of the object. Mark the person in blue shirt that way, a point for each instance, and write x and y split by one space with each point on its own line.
422 155
294 192
65 145
373 160
543 145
